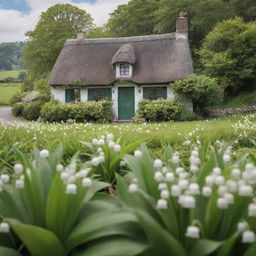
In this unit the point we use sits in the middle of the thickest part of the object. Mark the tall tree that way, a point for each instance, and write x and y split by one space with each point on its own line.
228 53
135 18
56 25
140 17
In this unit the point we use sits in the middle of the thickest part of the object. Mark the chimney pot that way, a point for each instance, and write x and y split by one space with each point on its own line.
182 24
80 35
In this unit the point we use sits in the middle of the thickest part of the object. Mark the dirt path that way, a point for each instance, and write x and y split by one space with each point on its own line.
6 115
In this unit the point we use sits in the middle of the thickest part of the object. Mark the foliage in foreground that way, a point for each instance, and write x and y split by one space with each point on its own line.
199 205
205 207
56 210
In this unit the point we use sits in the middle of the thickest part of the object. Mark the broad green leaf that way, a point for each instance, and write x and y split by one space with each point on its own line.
12 204
251 251
205 247
62 209
127 149
39 241
96 222
228 245
96 186
8 252
114 247
212 215
159 239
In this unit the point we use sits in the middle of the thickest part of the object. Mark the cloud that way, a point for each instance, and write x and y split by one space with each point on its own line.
14 24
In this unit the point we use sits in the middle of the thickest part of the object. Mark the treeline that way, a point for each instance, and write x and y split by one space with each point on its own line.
143 17
11 55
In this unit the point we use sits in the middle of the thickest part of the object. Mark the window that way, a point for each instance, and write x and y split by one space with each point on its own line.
72 95
154 93
96 94
124 69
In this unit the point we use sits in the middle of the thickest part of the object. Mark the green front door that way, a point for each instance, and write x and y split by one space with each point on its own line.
126 107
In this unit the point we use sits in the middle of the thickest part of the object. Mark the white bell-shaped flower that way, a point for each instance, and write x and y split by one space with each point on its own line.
248 236
192 232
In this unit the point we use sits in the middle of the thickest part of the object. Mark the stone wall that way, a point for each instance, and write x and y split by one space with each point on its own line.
228 111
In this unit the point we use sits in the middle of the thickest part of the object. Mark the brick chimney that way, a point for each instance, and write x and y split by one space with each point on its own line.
182 24
80 33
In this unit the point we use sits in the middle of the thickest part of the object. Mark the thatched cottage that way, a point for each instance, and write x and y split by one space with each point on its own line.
126 69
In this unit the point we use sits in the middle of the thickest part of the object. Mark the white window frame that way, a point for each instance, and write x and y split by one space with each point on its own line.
118 71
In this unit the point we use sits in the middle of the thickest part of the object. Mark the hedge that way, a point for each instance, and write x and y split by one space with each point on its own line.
163 111
91 111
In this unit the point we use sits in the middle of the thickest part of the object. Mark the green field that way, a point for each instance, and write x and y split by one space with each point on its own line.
7 91
9 73
49 136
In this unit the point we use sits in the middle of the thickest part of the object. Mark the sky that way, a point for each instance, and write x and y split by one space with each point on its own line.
19 16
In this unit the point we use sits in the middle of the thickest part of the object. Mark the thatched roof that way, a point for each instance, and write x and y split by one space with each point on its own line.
125 54
156 58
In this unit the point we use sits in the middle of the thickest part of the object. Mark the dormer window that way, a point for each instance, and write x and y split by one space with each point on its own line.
124 60
123 70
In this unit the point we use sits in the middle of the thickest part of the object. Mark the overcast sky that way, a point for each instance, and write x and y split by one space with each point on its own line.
19 16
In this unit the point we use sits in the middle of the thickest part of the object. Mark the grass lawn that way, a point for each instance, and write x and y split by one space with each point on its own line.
7 91
49 136
9 73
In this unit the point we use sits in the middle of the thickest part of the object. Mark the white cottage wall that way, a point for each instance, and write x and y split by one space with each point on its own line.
58 94
84 94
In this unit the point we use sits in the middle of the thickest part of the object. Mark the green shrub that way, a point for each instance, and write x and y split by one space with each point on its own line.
22 75
187 115
92 111
31 111
43 87
158 110
17 98
17 109
202 90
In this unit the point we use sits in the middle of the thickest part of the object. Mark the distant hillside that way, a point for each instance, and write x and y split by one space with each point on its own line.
11 55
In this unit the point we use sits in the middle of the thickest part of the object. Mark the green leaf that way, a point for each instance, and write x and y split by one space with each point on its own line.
251 251
96 222
228 245
205 247
96 186
160 240
127 149
8 252
62 209
39 241
114 247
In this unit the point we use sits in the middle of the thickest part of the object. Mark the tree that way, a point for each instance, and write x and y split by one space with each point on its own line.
135 18
100 32
56 25
10 55
228 53
140 17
